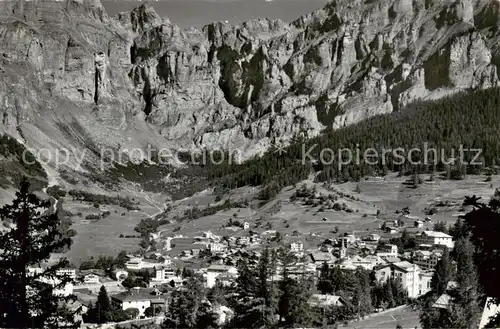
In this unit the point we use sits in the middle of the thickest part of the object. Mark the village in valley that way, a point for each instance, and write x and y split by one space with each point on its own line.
145 281
344 243
263 164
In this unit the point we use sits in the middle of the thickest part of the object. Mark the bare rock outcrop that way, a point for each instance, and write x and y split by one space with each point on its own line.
137 79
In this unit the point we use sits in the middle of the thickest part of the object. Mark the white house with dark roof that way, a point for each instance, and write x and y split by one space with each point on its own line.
296 246
91 278
424 285
163 274
390 259
139 298
243 240
213 271
69 272
425 259
134 263
319 257
298 270
434 238
372 237
215 247
390 250
354 262
408 273
373 261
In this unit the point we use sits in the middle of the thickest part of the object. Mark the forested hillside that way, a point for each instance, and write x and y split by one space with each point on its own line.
469 119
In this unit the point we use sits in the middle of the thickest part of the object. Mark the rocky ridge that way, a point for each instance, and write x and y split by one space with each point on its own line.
73 77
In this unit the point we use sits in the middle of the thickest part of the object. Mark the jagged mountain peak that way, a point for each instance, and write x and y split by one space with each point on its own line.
51 11
137 79
141 18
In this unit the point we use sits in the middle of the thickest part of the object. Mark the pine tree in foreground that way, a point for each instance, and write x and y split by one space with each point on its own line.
256 302
293 307
442 274
104 311
26 296
188 306
465 308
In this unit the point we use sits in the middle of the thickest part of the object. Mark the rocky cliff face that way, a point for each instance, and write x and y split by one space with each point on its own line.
71 75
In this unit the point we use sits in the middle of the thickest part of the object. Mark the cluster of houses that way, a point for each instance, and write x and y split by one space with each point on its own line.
221 254
414 269
348 252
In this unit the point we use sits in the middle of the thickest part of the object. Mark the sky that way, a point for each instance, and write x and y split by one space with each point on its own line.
187 13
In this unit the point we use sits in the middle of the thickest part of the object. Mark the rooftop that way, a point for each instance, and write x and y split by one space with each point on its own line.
391 259
97 272
325 300
443 301
374 258
134 261
405 265
319 256
137 295
164 267
427 253
219 268
360 259
436 234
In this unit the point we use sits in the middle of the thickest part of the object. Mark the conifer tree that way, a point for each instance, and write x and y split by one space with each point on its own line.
325 281
103 306
268 289
104 311
440 226
442 274
388 295
362 299
256 304
217 294
186 305
26 297
206 317
293 307
483 223
338 280
399 293
287 286
300 312
465 307
178 315
458 230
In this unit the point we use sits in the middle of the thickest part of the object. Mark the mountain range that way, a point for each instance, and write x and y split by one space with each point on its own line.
74 78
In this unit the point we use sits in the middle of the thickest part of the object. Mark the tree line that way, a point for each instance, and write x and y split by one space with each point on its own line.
468 120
